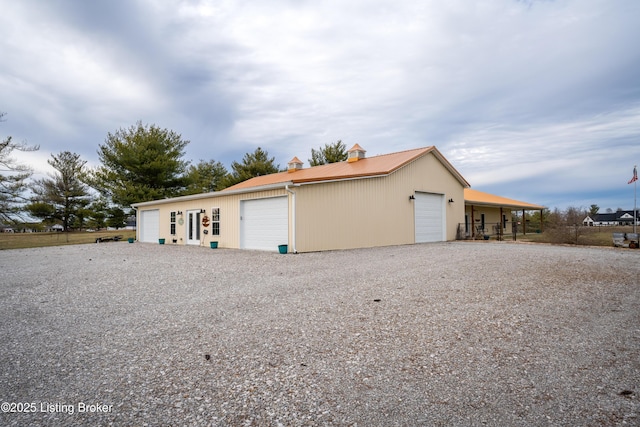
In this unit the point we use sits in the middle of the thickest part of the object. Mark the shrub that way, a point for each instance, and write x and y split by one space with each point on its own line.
566 226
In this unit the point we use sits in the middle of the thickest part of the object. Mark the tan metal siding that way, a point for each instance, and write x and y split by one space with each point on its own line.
374 211
229 217
344 214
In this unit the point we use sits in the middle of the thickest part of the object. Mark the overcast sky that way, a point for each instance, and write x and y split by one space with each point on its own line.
536 100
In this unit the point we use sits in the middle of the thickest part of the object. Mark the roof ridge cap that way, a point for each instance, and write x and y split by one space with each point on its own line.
428 147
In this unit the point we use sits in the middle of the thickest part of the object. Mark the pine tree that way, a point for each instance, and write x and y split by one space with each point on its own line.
141 163
253 164
64 192
330 153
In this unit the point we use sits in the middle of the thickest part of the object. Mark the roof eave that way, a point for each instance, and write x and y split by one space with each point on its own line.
503 205
212 195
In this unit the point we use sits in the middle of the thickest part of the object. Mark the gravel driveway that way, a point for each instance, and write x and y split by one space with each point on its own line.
437 334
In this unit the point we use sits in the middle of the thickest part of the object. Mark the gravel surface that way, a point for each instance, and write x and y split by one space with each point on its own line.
460 333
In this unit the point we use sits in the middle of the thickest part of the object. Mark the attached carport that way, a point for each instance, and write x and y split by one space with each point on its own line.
484 208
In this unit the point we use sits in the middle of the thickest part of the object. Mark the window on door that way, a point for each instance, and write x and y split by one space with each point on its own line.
215 221
194 226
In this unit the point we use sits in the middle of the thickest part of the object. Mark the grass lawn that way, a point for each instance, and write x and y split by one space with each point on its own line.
34 240
592 236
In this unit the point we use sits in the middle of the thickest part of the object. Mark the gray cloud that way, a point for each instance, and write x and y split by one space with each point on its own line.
537 98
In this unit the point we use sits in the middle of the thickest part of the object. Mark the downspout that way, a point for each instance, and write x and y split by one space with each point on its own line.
293 222
137 223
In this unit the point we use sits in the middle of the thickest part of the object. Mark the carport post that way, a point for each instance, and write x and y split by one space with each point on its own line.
473 224
524 223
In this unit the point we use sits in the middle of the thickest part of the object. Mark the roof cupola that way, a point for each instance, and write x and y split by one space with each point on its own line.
355 153
294 164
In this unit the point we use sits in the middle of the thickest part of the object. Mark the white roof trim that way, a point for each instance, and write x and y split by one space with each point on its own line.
210 195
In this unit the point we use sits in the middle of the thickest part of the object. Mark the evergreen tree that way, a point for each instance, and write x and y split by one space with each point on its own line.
330 153
253 164
141 163
13 179
64 191
116 218
205 177
98 215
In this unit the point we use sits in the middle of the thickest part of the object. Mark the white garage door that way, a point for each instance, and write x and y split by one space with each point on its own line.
429 217
150 226
264 223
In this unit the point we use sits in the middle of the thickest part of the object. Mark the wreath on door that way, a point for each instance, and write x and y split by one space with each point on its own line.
205 221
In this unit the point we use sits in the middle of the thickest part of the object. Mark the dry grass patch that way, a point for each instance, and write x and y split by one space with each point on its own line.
589 236
36 240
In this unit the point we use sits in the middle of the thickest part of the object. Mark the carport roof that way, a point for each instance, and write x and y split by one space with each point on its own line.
475 197
366 167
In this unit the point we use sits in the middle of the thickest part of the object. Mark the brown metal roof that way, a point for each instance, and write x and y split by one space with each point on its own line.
475 197
370 166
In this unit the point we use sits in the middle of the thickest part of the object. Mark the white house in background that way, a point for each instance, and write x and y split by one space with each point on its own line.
613 218
6 228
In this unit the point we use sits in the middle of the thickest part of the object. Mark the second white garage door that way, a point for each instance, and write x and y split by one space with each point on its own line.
264 223
429 217
149 226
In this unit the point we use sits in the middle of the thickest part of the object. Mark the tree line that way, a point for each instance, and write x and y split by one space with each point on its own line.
137 164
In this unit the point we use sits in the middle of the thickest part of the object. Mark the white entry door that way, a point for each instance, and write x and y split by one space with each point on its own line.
429 217
193 227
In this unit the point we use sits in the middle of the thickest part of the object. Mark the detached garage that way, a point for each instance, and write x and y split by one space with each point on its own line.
412 196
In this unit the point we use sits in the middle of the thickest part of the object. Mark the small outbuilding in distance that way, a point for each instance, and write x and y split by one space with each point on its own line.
407 197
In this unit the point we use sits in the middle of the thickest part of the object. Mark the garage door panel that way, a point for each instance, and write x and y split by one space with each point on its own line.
429 217
150 227
264 223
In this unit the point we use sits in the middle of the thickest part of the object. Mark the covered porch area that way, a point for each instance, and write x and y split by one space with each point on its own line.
489 215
